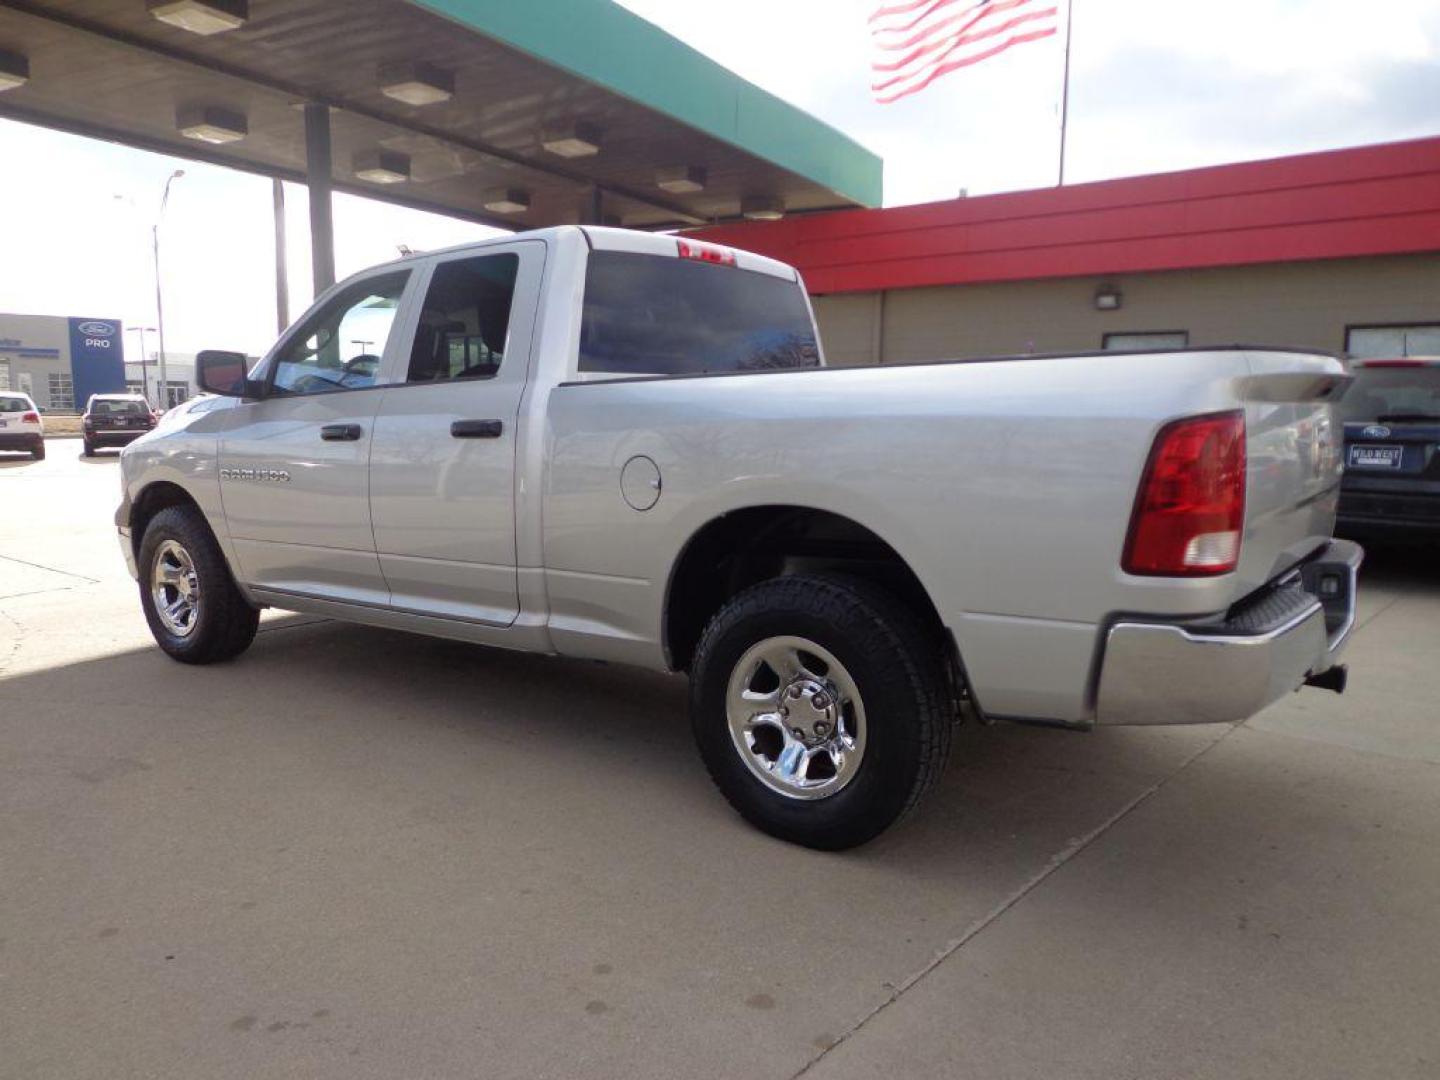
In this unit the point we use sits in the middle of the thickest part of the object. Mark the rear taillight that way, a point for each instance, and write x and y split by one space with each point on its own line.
1191 507
30 418
689 249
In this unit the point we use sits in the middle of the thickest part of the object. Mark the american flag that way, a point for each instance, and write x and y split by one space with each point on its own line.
918 41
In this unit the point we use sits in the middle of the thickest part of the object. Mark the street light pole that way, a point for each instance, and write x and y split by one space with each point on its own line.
164 390
144 358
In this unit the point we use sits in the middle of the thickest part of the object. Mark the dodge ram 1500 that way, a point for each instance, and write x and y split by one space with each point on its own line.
627 447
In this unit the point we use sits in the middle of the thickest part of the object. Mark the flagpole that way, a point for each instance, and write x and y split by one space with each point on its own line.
1065 92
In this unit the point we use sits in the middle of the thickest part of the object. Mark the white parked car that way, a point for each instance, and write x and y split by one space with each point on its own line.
21 425
626 447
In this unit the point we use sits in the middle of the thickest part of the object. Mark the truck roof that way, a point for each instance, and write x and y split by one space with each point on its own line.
605 238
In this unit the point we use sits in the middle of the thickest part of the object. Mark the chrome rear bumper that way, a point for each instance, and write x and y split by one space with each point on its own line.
1223 671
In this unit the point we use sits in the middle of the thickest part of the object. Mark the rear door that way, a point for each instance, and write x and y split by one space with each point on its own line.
442 467
294 465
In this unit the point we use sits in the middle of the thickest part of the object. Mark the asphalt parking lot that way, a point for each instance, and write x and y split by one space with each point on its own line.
355 853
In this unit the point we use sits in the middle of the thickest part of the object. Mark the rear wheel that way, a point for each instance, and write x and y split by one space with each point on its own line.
89 449
194 609
38 451
818 705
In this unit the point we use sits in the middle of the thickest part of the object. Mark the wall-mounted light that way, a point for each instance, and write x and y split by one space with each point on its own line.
211 124
415 82
381 166
14 70
1108 298
762 208
204 17
575 140
506 200
681 179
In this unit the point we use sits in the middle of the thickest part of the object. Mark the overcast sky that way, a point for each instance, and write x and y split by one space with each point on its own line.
1157 85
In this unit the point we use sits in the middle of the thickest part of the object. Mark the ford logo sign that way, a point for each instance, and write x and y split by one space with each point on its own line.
1376 431
96 329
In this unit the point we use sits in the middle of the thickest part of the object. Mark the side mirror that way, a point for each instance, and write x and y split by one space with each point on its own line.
220 372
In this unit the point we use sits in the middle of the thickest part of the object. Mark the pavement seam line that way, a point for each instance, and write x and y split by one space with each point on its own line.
51 569
1025 889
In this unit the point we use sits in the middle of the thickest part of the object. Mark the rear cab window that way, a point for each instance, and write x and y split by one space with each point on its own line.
14 404
649 314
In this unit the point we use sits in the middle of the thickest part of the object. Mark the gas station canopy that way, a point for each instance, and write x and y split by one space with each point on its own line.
516 113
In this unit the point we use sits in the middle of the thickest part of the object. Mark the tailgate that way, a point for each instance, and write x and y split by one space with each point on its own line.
1294 444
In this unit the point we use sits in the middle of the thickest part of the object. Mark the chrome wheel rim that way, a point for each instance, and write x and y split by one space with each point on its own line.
796 718
175 588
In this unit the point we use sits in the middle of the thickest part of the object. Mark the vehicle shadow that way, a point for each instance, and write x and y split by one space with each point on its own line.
16 461
1410 567
1011 794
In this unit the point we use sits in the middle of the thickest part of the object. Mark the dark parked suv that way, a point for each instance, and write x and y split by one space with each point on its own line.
1391 488
115 420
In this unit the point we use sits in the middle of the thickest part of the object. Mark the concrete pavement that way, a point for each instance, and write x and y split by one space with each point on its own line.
355 853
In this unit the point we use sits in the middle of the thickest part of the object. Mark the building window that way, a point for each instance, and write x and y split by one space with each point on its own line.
1393 342
176 394
1146 341
62 393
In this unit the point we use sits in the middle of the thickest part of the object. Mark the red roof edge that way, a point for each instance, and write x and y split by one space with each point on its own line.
1368 200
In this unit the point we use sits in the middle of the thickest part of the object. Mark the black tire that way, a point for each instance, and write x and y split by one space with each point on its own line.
89 450
224 623
895 663
38 451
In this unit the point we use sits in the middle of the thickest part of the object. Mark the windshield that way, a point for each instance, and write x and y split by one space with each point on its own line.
1393 393
653 315
101 407
14 404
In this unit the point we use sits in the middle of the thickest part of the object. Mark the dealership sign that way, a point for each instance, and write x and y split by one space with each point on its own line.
97 358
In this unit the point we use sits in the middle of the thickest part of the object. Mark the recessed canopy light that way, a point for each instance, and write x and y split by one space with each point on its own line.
381 166
762 208
572 141
681 179
506 200
14 70
203 17
211 124
415 82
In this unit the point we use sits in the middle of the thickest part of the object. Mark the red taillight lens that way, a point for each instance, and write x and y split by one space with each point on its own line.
30 418
706 253
1191 509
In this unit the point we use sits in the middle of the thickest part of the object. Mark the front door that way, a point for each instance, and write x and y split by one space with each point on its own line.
442 467
293 465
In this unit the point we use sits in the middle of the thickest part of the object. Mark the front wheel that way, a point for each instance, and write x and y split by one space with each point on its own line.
195 612
818 704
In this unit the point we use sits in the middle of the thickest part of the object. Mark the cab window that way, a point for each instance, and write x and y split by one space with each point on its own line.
659 315
465 319
340 347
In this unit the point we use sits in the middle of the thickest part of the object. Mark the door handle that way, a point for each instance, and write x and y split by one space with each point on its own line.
340 432
477 429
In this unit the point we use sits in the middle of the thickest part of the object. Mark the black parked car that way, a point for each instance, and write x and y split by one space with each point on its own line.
115 420
1391 488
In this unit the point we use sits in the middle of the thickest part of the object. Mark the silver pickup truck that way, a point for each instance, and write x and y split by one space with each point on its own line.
626 447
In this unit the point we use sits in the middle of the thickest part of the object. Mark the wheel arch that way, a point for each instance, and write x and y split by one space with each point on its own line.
743 546
154 497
